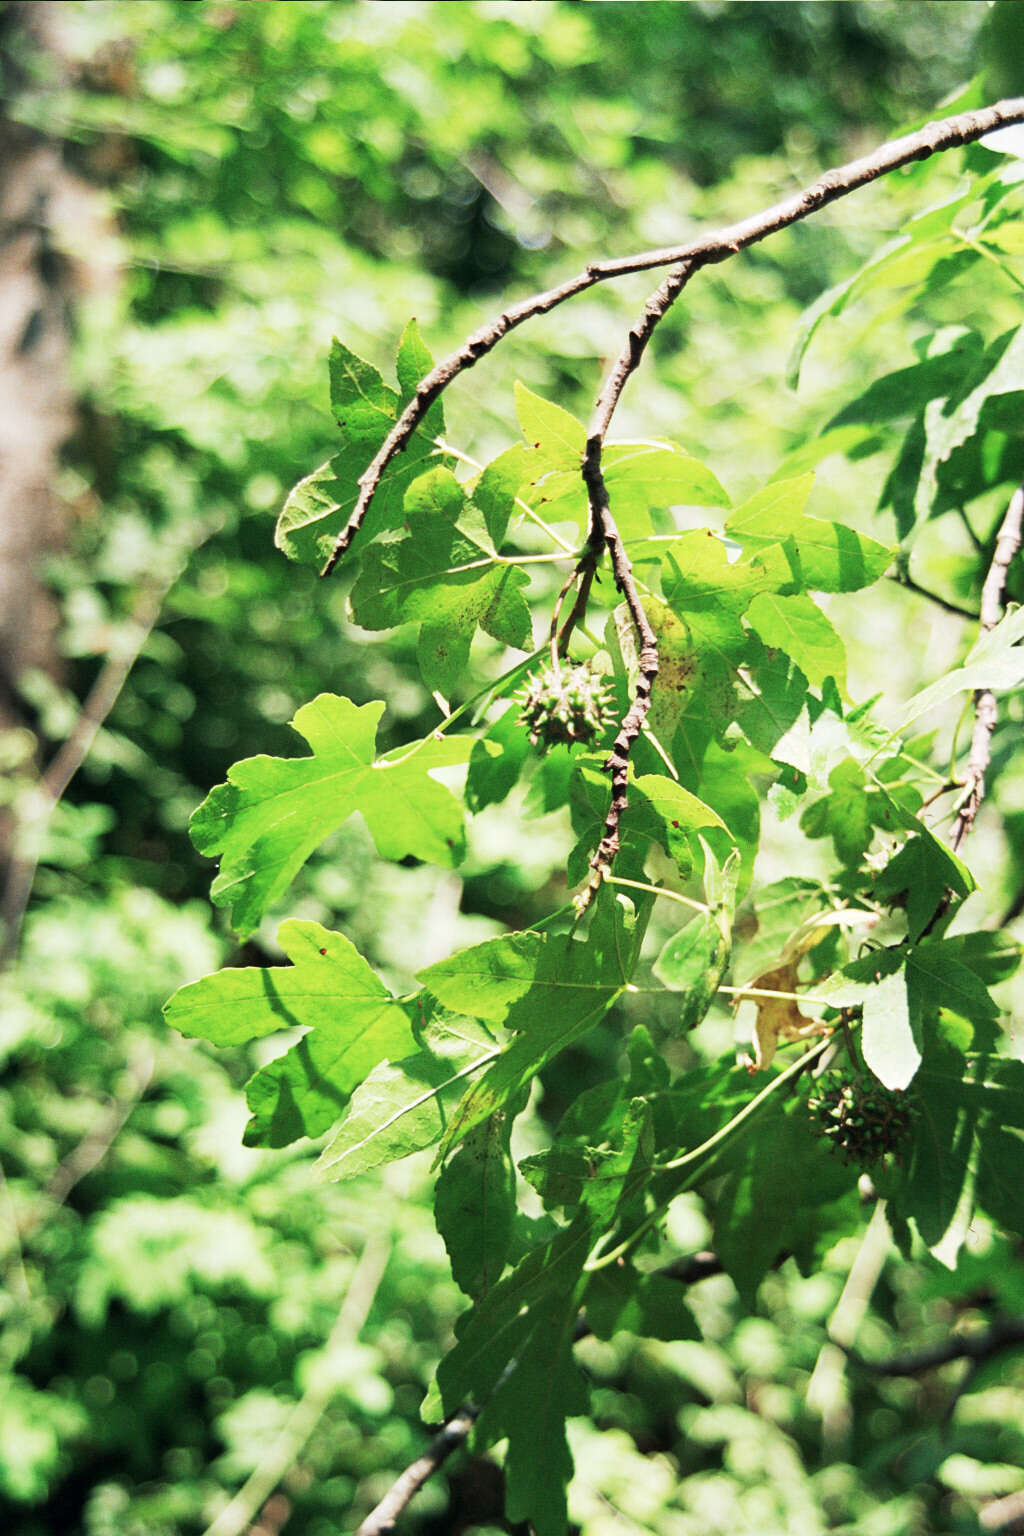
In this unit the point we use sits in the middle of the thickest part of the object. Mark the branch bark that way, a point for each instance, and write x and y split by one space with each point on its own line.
986 711
604 534
965 128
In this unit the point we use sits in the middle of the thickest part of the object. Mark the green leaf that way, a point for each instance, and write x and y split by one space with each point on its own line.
788 1194
641 479
496 760
621 1299
330 990
992 956
441 578
474 1203
594 1176
273 812
949 423
659 812
404 1106
888 1041
848 814
529 1319
412 364
822 556
701 642
499 485
556 435
364 406
780 909
531 1408
934 1188
796 625
693 961
366 409
996 661
914 259
921 874
496 1328
550 990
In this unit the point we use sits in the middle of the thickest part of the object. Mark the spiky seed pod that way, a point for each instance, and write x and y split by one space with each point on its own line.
860 1118
565 704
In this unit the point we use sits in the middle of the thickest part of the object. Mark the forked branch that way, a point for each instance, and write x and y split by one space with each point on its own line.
964 128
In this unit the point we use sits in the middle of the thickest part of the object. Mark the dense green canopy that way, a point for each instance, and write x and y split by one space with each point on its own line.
235 185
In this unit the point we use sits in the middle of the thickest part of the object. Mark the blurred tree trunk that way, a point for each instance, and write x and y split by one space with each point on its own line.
36 404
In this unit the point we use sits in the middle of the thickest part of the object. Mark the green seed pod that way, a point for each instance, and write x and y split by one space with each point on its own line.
565 704
860 1118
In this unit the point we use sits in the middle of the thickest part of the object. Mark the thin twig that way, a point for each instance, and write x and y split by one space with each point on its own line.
986 712
46 795
965 128
238 1515
455 1433
947 604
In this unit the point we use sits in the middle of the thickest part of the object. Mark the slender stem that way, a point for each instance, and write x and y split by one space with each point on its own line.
793 997
904 579
660 890
727 1131
696 1160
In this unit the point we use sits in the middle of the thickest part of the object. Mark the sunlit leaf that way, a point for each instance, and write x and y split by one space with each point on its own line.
273 812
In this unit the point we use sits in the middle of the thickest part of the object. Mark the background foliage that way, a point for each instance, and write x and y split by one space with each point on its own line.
276 174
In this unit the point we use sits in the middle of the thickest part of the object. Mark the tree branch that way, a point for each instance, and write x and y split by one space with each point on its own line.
604 534
447 1440
904 579
986 712
1007 1333
950 132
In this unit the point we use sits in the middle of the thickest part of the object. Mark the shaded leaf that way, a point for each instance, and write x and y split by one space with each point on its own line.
441 578
788 1194
404 1106
624 1300
474 1203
